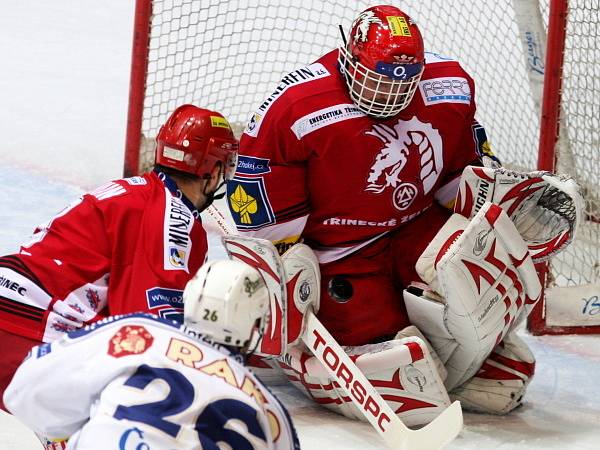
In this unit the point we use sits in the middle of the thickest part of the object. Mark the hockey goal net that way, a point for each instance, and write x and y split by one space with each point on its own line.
228 55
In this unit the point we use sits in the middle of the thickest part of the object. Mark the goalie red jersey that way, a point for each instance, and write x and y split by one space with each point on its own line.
60 280
313 166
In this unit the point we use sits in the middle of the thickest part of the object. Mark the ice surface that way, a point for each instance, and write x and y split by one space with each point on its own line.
64 85
65 70
562 409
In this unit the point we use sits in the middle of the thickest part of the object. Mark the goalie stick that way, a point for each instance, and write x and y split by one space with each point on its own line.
262 255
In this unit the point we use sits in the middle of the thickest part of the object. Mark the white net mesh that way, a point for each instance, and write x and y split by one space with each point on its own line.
229 54
579 146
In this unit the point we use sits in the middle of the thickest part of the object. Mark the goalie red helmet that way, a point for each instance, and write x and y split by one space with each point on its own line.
193 140
382 60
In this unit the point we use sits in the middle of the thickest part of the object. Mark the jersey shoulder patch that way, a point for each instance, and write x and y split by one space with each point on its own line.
297 77
251 166
135 181
249 204
166 303
321 118
129 340
447 89
445 81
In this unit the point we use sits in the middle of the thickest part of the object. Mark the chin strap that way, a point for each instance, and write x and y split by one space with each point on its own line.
212 196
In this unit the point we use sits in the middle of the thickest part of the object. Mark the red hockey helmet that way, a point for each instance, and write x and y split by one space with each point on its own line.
383 60
193 140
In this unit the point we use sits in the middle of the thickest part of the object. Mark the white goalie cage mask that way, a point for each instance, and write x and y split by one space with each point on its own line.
375 94
227 301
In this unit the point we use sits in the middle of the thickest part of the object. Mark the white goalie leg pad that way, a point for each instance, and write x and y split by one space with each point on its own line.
303 289
545 208
403 371
500 384
481 280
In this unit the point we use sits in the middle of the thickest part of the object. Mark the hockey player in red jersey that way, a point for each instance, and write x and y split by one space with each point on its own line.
359 155
130 245
156 384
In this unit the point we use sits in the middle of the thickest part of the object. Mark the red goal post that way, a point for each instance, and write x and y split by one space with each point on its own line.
539 104
569 143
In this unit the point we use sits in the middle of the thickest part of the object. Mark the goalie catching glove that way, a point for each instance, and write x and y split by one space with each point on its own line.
481 280
545 208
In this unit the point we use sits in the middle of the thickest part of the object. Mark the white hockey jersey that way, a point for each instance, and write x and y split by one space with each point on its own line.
138 381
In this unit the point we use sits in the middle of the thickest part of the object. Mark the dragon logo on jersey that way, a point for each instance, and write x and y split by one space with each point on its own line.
364 21
130 340
405 139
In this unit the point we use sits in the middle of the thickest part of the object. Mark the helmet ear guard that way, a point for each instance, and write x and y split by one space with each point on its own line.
225 300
